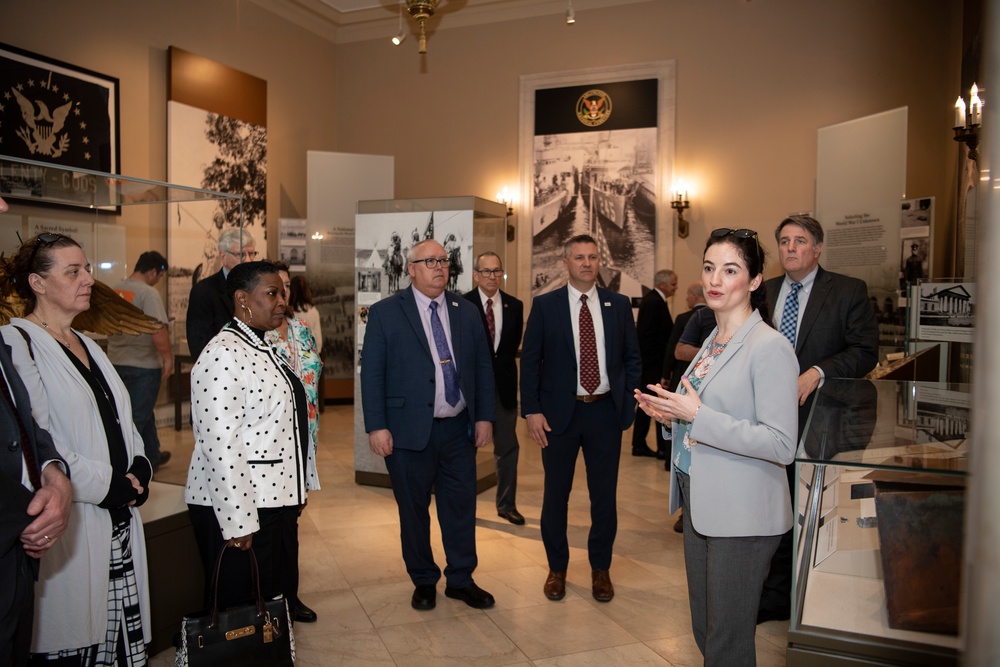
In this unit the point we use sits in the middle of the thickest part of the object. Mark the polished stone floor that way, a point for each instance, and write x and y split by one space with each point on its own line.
353 575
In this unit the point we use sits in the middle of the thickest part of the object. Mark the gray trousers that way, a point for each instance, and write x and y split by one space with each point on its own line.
725 576
505 451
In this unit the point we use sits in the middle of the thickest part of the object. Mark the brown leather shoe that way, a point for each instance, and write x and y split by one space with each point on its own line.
603 590
555 585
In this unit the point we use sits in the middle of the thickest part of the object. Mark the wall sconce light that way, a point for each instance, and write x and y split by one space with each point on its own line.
967 121
570 14
400 35
680 204
317 236
505 198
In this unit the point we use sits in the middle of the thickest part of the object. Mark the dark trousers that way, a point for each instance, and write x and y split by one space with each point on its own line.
593 430
143 386
448 465
276 546
15 625
724 577
776 598
506 450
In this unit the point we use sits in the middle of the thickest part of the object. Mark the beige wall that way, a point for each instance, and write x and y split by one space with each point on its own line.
129 40
755 80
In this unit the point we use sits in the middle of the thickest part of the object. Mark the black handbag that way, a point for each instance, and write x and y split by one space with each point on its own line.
248 635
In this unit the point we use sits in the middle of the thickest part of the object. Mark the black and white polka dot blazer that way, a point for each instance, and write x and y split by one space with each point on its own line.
248 445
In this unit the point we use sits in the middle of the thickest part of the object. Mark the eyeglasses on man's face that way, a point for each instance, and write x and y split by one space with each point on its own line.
244 254
433 262
490 273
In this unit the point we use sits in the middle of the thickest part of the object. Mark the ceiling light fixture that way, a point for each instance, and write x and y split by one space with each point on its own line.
422 10
400 36
570 14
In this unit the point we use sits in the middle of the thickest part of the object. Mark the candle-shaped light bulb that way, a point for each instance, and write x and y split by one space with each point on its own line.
960 112
975 106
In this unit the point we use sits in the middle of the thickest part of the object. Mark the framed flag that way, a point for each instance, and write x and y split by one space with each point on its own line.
54 112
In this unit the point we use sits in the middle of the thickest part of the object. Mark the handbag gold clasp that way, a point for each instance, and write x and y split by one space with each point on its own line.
239 633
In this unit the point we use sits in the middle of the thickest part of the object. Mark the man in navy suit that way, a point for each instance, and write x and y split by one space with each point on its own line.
35 498
832 326
580 364
503 319
428 400
209 305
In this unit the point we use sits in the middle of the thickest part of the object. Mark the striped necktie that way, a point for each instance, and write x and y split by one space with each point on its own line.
790 314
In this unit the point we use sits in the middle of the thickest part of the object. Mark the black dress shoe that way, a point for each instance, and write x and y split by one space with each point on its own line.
303 614
513 516
164 458
643 451
661 454
472 595
424 597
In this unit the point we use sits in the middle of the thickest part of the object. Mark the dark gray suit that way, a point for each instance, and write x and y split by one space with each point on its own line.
17 570
839 334
505 445
209 309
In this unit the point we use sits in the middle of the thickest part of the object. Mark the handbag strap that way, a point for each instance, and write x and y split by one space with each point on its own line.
254 571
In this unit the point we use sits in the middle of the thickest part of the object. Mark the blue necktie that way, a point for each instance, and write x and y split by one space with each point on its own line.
790 314
451 391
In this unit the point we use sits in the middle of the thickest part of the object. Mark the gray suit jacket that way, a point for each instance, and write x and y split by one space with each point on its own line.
745 435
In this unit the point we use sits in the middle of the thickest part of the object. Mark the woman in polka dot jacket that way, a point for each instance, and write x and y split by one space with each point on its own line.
250 416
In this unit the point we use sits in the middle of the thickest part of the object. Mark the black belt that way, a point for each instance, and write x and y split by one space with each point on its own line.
592 398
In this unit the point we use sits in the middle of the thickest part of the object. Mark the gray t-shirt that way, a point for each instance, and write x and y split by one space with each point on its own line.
137 351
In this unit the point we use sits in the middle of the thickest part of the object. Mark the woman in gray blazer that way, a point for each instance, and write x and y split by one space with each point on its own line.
734 424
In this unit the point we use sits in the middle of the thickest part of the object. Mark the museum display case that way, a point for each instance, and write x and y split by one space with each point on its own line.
385 230
881 473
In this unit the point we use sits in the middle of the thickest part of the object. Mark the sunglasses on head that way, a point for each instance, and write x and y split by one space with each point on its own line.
738 233
46 239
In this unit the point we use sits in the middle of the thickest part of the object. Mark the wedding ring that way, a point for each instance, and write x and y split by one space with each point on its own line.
47 538
236 544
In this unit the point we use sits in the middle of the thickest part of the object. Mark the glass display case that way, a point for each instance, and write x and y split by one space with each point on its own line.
881 472
104 237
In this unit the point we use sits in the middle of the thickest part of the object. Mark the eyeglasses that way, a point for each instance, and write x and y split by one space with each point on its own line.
46 239
246 254
489 273
722 232
433 262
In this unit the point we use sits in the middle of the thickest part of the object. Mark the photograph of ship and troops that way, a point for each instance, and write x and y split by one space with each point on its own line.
595 177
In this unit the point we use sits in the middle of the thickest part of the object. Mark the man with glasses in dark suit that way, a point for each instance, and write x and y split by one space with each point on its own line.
209 304
428 400
503 319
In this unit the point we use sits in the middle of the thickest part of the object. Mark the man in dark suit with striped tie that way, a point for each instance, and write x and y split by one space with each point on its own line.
829 320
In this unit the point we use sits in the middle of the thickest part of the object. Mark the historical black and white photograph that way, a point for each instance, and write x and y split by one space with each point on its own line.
942 416
917 215
947 312
207 150
292 234
595 172
913 263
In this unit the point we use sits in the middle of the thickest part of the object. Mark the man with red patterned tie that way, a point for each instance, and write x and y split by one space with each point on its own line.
503 318
579 366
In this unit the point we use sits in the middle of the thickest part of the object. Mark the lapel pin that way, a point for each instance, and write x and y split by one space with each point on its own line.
607 304
455 304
